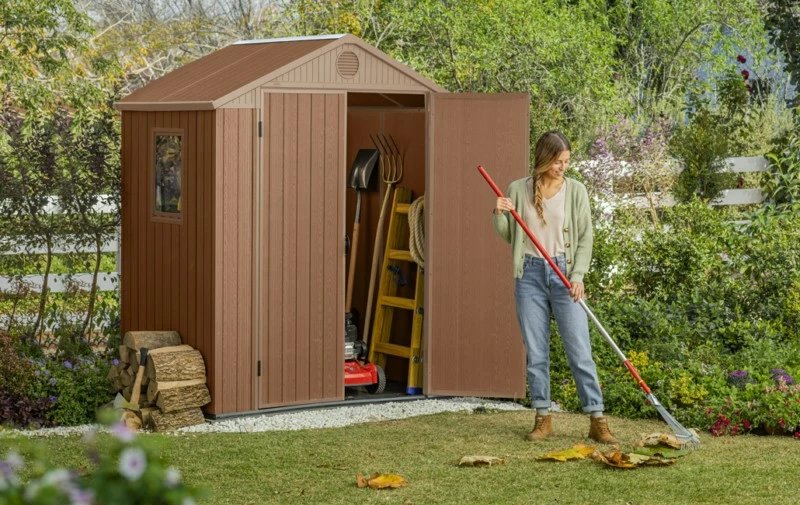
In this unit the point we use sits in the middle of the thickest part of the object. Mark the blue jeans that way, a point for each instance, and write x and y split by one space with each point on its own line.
536 293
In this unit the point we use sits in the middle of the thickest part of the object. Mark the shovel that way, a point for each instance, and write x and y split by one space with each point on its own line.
358 180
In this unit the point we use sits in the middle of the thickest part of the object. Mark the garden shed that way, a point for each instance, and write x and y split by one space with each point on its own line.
236 209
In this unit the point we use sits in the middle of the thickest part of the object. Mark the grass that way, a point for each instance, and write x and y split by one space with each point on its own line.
320 466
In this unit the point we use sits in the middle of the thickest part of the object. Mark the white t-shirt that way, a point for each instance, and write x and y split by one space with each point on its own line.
550 236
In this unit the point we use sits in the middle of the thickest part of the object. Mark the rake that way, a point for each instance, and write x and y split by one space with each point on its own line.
687 439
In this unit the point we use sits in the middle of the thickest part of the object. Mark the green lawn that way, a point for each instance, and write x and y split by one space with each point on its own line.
320 466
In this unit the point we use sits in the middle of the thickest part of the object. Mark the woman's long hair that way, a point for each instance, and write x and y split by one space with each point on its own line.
549 146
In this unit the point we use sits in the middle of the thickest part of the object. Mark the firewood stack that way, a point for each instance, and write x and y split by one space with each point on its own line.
174 381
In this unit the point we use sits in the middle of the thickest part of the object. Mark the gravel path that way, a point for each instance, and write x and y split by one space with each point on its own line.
332 417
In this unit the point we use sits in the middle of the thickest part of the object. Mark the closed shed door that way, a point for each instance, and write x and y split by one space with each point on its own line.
301 249
473 342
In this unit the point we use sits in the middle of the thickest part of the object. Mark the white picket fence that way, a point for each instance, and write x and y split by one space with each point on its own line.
58 283
740 196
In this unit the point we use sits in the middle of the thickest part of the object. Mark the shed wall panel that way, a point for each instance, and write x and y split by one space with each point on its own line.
160 269
233 263
302 253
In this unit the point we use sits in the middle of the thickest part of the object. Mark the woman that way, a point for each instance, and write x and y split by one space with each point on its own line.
556 209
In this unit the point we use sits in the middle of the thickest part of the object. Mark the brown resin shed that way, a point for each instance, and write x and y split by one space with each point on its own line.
236 206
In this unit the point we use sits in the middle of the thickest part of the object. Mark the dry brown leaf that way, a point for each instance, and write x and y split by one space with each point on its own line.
618 459
481 461
664 439
381 481
577 451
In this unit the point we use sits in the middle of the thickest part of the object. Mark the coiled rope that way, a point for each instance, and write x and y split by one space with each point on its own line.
416 227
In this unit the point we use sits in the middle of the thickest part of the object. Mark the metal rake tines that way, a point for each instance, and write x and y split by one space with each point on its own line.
392 168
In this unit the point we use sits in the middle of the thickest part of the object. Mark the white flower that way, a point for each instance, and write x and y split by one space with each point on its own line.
132 463
81 497
15 461
60 478
122 432
172 477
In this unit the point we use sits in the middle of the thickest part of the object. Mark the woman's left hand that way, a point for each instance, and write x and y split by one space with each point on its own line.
576 291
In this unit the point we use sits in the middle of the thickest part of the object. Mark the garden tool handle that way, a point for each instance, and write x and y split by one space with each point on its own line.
527 230
626 362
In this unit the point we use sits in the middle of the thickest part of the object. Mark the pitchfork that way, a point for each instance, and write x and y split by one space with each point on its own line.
392 172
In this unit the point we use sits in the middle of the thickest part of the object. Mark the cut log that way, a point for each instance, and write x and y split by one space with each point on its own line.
180 365
124 355
115 385
126 392
166 421
147 416
132 420
151 339
113 371
126 378
180 395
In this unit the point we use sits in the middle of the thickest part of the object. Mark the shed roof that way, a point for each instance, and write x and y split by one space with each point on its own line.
210 81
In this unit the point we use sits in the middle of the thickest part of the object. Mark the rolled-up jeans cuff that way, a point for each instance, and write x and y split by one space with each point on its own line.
541 404
597 407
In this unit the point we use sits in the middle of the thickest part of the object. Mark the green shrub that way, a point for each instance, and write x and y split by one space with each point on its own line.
79 388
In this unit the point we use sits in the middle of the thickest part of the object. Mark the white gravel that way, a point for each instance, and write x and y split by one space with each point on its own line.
332 417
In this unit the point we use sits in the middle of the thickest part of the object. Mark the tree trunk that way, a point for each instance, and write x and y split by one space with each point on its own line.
43 295
93 292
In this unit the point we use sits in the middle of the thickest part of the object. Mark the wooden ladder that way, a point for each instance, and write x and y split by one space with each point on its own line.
395 253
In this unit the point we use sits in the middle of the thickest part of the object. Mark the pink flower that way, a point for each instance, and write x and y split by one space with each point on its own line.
741 59
132 463
746 74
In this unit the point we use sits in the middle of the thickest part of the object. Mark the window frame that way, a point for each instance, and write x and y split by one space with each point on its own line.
166 217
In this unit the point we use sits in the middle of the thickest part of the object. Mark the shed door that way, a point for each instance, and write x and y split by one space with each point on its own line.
473 342
301 249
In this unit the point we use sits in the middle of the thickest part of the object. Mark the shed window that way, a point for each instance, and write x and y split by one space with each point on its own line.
168 174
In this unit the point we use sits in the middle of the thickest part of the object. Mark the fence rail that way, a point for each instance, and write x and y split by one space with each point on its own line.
737 196
59 283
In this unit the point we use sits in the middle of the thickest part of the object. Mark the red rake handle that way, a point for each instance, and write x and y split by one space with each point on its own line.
545 255
536 242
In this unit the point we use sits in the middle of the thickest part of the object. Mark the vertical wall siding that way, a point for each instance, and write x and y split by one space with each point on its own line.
166 267
233 261
301 275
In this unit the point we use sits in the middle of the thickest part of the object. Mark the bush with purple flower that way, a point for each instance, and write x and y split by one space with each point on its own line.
740 378
127 467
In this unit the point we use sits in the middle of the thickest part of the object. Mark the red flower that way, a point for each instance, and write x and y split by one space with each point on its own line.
750 88
797 435
746 74
746 424
780 421
741 59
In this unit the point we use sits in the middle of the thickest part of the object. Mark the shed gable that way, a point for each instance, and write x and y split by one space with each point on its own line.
349 65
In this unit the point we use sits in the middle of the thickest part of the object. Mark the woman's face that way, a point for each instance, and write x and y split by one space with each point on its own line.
559 166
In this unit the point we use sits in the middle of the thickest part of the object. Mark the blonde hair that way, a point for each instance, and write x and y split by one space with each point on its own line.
549 146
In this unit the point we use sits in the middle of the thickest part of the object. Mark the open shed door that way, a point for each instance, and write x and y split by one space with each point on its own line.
472 338
300 247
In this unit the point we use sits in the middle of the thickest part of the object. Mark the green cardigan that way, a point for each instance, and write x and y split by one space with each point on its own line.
577 228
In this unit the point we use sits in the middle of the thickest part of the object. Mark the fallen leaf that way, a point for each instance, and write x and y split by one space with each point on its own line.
577 451
661 451
381 481
481 461
618 459
408 502
662 439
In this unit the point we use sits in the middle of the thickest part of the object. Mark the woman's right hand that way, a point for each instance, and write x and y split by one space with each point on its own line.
503 204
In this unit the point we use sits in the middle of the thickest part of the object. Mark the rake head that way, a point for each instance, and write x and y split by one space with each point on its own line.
688 438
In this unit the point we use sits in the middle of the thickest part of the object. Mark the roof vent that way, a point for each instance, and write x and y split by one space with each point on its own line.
347 64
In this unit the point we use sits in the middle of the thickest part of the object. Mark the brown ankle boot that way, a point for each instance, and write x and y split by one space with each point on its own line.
599 432
542 429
